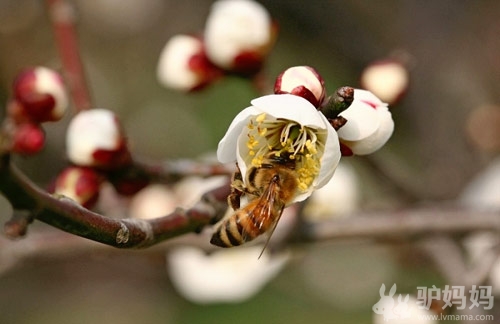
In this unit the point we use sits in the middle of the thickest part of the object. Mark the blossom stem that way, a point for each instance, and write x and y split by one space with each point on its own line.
338 102
62 16
68 216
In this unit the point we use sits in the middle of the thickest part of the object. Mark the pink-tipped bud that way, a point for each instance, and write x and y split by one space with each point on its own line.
302 81
387 79
80 184
94 138
239 35
41 95
28 139
184 66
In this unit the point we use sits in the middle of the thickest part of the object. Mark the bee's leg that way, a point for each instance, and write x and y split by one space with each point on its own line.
237 189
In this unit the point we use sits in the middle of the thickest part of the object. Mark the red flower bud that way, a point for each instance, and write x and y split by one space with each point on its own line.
41 95
80 184
28 139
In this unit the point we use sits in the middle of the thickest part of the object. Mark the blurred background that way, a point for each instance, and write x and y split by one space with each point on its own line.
447 132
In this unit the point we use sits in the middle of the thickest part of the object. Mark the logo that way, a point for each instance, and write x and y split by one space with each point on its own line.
399 307
388 307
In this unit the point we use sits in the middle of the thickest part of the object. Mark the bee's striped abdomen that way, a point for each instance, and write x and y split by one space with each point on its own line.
241 227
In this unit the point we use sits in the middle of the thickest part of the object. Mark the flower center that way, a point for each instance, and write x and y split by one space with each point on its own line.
268 136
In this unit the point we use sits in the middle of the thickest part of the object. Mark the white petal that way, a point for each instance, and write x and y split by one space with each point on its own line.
339 197
375 141
367 96
226 151
290 107
225 276
330 159
362 121
484 190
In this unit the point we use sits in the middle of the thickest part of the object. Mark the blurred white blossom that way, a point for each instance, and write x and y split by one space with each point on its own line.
387 79
153 201
225 276
483 193
339 197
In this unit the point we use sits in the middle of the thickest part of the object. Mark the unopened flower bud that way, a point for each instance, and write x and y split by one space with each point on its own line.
41 94
369 124
95 138
80 184
183 64
28 139
302 81
387 79
239 35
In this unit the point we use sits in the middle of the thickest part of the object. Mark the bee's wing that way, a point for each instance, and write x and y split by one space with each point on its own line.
272 208
262 211
270 233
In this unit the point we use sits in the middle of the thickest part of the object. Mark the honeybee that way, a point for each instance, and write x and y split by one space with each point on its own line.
270 188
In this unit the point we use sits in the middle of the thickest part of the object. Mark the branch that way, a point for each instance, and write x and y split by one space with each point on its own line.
68 216
62 16
402 225
170 171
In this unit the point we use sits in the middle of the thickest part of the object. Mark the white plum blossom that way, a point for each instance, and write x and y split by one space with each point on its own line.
369 123
483 193
229 276
183 64
283 124
153 201
238 34
94 138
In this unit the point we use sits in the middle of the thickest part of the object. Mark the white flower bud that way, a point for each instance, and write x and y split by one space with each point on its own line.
302 81
94 138
184 66
369 124
238 35
388 80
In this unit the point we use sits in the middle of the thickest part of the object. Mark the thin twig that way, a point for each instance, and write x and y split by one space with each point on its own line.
62 16
405 224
